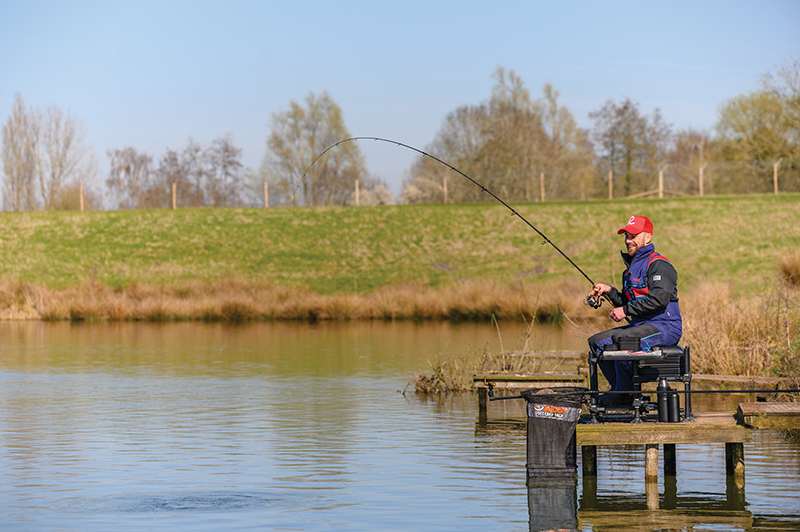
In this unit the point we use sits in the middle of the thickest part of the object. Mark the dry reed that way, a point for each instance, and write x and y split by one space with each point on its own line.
789 268
234 300
729 335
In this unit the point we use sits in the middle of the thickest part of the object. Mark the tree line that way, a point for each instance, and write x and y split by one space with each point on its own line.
516 145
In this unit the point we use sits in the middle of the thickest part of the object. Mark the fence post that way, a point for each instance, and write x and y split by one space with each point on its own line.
174 195
81 191
661 181
701 177
266 194
611 184
444 187
775 174
541 186
357 193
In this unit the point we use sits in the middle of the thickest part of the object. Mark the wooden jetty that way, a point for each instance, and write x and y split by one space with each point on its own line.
728 428
717 427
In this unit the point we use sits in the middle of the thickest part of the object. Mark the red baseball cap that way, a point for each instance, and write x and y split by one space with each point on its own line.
637 224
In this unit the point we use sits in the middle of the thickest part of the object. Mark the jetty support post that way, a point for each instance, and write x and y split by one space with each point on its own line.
651 475
734 459
483 399
589 459
651 462
670 468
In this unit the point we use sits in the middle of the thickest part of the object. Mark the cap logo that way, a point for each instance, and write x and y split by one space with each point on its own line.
632 220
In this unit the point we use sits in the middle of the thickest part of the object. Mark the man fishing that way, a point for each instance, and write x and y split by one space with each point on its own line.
649 298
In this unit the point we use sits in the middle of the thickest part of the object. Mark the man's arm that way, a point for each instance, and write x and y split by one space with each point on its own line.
662 280
615 296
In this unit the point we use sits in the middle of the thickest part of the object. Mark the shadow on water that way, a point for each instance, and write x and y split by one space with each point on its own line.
191 502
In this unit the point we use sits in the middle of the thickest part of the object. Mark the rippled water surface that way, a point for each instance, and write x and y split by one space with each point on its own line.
300 427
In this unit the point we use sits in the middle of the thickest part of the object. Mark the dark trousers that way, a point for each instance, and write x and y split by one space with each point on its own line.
619 373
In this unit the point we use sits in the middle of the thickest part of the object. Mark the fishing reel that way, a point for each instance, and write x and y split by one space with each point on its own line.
594 301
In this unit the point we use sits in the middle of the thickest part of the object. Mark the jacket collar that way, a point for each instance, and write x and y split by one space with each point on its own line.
643 252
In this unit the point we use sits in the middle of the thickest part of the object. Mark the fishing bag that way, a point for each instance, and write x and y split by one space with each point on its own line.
552 416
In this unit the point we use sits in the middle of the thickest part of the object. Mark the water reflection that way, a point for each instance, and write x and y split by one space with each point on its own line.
553 503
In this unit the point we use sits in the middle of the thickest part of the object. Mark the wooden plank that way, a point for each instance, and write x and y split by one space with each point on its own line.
706 429
755 409
747 379
527 377
539 380
547 354
769 415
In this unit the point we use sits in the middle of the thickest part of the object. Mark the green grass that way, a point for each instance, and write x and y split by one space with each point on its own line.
736 240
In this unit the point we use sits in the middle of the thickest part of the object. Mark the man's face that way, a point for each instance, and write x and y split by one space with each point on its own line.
634 242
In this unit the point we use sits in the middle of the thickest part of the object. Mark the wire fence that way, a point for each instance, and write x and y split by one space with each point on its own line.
732 177
693 179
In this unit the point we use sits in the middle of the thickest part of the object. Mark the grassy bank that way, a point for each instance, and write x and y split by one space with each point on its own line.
356 251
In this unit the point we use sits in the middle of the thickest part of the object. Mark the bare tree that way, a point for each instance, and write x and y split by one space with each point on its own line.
568 165
630 144
690 149
43 151
179 168
61 154
19 157
298 135
225 176
203 176
785 85
505 143
129 177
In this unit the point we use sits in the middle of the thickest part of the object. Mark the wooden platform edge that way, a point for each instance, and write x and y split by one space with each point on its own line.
781 415
659 433
516 380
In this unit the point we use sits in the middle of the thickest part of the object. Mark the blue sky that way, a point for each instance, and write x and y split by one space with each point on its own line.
152 74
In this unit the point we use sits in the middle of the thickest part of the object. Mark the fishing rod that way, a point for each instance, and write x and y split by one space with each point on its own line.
594 302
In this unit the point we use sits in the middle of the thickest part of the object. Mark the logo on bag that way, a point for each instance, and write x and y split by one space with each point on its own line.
549 411
558 413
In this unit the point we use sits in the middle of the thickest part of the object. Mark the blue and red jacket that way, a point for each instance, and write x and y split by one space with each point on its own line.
650 293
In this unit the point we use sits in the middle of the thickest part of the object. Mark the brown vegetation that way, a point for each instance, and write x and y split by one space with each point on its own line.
789 268
728 335
239 300
756 336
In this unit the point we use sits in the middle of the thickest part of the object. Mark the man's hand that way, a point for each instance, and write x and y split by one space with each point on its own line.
598 290
618 314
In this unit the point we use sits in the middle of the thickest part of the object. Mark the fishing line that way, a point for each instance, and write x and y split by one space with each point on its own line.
453 168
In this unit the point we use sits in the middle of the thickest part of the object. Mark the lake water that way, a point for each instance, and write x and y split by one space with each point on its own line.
306 427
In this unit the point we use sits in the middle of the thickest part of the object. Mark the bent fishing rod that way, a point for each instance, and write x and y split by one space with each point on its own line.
593 302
